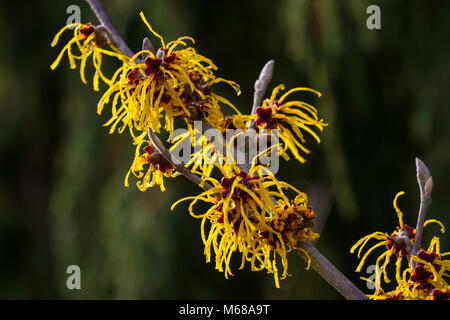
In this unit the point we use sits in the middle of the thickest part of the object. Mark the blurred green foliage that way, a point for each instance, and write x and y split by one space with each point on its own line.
62 197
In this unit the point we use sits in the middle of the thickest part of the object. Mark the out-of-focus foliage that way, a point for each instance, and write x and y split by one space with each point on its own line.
62 199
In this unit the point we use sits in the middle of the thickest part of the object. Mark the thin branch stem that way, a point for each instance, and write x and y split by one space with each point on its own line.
331 274
261 85
178 165
114 35
425 181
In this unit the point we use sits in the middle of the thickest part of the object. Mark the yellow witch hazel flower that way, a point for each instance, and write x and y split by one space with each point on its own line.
424 281
292 119
158 168
427 276
171 83
244 218
399 243
88 40
294 220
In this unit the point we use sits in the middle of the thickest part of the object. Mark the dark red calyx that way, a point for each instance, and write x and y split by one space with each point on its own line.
238 193
149 149
152 66
427 256
86 31
226 185
441 295
264 116
421 276
170 58
134 76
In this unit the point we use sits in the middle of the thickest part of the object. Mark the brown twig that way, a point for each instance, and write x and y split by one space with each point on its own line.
331 274
113 34
157 143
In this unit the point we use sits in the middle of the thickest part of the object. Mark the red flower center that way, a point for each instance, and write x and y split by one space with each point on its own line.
238 193
441 295
265 116
421 276
86 31
152 65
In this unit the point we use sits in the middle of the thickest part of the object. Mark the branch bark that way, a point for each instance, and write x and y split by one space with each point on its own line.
113 34
425 181
261 85
179 166
331 274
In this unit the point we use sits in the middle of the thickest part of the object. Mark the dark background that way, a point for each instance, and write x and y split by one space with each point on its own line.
62 198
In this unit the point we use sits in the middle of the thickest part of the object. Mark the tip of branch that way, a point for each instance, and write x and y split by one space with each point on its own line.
261 83
266 72
424 178
147 45
269 65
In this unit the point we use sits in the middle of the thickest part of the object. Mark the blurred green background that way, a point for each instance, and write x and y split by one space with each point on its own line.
62 198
